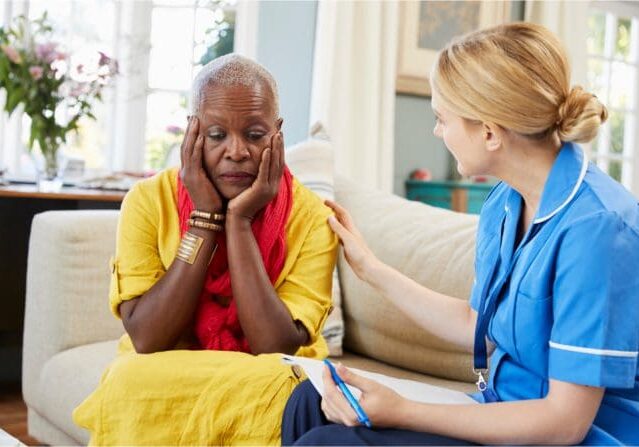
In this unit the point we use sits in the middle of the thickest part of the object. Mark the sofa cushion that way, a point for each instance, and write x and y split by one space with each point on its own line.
67 379
433 246
311 161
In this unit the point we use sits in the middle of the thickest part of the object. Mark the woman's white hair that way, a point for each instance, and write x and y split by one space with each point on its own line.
232 70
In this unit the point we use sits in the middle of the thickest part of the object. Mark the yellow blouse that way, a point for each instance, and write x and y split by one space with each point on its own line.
203 397
149 235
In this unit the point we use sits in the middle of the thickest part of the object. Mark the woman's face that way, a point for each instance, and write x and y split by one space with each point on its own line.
463 139
237 123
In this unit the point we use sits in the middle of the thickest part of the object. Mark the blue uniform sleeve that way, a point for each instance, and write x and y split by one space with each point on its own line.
594 338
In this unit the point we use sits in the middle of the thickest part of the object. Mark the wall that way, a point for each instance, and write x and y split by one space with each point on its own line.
415 144
286 37
286 33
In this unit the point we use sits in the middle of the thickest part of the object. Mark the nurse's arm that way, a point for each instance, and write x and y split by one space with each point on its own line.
564 416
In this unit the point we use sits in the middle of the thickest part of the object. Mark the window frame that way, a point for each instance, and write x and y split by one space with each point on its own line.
630 154
126 118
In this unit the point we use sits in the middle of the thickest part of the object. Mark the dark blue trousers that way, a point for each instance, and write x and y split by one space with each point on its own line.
304 423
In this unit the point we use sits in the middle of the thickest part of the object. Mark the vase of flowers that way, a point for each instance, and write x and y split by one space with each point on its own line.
52 87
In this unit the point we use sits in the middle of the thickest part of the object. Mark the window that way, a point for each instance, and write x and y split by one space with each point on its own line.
82 28
159 44
613 75
206 31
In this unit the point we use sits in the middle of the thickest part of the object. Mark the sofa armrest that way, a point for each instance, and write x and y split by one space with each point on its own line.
67 288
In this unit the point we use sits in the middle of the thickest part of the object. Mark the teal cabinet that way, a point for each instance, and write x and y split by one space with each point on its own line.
462 196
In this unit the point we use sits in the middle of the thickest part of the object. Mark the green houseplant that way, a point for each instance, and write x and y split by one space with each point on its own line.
54 90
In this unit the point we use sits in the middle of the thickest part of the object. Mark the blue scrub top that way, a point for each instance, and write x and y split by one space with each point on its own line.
570 309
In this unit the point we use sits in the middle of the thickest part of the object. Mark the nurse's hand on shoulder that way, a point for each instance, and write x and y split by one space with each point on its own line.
204 195
379 402
357 254
266 185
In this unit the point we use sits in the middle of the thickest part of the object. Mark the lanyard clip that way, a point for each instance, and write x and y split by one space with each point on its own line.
481 381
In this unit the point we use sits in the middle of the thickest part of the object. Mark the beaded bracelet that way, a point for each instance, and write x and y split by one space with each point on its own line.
213 217
205 225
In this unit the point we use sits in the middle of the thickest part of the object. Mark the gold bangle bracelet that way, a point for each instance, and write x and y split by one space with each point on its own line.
205 225
214 217
189 247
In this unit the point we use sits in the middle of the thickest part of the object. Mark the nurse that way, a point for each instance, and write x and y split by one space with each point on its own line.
555 301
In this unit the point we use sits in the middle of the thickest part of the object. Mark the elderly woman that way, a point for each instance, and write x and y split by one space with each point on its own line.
556 293
219 266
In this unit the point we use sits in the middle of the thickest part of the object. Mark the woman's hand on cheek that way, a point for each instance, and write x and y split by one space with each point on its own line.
266 185
203 193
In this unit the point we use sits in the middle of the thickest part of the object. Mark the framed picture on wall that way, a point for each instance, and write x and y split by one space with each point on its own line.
426 26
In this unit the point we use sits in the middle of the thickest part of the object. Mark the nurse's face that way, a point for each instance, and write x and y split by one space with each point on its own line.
463 139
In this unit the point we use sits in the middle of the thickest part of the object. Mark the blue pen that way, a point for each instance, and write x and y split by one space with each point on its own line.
361 415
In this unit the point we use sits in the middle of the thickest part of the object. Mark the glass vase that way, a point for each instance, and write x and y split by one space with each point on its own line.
49 167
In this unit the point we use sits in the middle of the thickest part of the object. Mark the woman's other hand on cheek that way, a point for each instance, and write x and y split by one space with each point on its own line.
265 187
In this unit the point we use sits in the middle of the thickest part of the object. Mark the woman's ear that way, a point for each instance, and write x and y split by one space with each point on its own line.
493 136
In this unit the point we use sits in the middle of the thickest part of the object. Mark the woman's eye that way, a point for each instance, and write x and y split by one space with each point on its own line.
217 136
254 136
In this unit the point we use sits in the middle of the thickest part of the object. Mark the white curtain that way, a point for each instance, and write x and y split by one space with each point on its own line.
569 21
354 86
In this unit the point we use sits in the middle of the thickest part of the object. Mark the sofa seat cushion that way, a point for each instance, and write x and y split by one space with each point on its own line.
67 379
366 363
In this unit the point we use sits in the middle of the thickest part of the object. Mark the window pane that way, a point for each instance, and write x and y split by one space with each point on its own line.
82 29
617 130
174 2
594 145
598 78
615 169
622 85
171 50
166 121
214 31
596 32
57 15
622 46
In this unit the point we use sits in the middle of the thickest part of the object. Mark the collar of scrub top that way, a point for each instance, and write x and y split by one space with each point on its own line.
563 182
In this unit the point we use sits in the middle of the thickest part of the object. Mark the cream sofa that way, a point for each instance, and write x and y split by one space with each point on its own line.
70 335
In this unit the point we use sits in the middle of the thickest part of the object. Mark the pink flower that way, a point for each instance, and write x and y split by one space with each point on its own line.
104 59
12 54
36 72
47 52
79 89
175 130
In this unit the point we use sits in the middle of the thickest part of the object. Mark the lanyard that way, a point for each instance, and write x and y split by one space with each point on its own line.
488 302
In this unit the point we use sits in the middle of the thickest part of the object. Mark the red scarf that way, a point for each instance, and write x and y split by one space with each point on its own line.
217 326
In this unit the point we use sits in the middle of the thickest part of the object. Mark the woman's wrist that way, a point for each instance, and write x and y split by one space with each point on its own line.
402 414
209 208
372 269
237 221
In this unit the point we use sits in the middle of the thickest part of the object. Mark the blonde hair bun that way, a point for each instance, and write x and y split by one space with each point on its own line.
580 116
516 75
